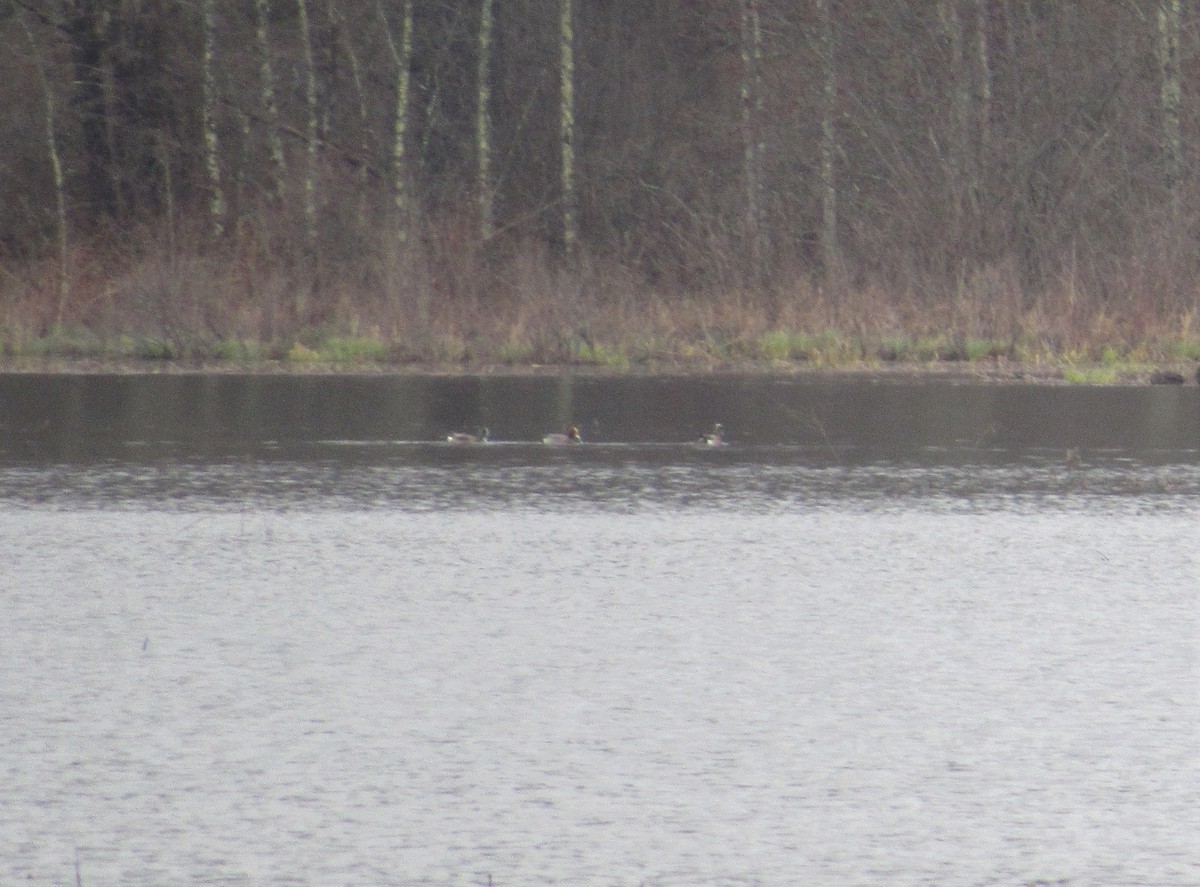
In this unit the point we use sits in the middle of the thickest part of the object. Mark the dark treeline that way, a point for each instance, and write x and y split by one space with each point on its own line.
328 159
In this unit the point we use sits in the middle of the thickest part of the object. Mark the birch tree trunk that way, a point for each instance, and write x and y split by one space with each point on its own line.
981 157
309 75
61 230
270 108
1170 99
830 257
212 157
983 58
752 93
483 124
566 128
402 56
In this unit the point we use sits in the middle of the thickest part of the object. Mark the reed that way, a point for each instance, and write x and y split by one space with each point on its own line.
443 299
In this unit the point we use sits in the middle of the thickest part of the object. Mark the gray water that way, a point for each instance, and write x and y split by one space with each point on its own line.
270 631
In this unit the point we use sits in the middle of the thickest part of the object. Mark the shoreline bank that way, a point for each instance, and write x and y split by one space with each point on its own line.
996 371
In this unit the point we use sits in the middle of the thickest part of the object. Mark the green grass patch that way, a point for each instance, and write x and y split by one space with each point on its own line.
777 345
356 349
825 347
238 351
64 342
596 354
344 344
515 353
1183 349
301 353
911 349
339 349
1096 374
145 348
984 349
932 349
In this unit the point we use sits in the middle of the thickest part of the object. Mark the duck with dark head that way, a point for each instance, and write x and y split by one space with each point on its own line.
560 438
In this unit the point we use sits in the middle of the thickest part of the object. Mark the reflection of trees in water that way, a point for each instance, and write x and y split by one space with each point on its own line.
833 418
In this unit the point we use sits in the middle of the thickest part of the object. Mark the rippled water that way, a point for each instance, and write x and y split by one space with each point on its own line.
372 660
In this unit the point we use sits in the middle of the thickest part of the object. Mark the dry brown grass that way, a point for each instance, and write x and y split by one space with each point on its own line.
439 296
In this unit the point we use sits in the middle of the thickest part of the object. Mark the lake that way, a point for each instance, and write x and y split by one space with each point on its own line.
274 630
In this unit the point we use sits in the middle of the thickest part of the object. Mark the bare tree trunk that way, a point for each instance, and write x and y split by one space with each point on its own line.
958 144
212 157
86 26
830 251
1010 30
342 35
981 158
309 75
164 162
1170 99
983 58
752 136
325 66
402 56
483 124
56 169
270 109
566 127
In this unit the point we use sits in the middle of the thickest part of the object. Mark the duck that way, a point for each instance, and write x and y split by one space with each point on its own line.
570 436
483 435
715 438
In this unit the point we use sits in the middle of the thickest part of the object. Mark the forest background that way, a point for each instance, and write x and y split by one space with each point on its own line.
608 182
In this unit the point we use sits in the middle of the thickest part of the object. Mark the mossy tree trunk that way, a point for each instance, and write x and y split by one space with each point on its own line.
277 164
981 164
753 138
1170 101
566 129
208 116
483 123
826 41
61 228
401 51
308 76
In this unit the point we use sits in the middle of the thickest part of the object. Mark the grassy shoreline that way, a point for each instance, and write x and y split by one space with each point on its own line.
517 320
1165 366
440 307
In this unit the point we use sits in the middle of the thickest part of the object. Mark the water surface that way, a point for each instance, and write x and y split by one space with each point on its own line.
273 632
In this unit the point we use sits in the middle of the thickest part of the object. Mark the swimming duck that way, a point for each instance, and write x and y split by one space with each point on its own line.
462 437
570 436
716 438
